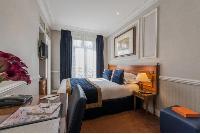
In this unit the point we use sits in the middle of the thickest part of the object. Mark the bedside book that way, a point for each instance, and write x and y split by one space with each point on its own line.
14 100
185 112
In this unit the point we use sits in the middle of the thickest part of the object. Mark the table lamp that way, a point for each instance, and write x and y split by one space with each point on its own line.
142 77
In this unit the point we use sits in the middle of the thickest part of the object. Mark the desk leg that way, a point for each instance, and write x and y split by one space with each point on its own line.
134 103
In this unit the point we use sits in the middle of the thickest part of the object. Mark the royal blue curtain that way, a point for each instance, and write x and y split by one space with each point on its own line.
65 54
99 56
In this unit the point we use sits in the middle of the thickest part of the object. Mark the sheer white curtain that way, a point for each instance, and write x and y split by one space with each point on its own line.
83 55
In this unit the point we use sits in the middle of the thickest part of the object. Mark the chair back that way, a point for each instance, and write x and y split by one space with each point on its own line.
76 109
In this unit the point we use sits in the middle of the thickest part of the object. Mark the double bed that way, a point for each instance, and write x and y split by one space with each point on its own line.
109 89
106 97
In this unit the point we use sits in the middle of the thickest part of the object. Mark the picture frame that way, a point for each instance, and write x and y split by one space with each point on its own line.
125 43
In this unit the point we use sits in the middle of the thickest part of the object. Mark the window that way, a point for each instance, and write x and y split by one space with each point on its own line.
83 58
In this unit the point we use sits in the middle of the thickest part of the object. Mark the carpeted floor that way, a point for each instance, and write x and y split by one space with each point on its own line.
125 122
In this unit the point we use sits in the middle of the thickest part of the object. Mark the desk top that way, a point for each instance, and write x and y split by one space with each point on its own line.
8 111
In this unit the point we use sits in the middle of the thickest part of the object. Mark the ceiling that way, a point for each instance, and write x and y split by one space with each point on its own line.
98 16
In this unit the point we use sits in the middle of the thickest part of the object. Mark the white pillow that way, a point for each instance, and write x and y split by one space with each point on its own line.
129 75
129 78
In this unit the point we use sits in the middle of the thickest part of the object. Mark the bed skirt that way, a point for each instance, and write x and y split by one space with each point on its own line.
111 106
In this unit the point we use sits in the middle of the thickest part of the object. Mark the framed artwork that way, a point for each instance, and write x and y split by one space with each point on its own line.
125 43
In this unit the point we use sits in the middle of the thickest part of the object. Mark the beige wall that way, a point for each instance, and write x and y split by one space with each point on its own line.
179 30
19 24
178 52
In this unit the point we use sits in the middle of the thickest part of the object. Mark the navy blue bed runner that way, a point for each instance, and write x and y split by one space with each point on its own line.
89 89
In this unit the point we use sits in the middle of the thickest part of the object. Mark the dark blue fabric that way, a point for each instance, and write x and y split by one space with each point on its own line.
118 76
107 74
171 122
65 54
99 56
89 89
76 110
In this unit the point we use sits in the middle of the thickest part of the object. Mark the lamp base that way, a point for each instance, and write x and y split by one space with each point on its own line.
140 86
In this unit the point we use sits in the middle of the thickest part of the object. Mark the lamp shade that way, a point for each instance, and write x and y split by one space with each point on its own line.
142 77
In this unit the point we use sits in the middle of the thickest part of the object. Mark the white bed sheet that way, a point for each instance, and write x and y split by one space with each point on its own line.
109 89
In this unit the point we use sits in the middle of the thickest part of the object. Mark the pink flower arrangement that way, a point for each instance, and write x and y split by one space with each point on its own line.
12 68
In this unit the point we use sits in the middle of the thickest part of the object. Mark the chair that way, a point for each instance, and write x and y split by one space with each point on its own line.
76 109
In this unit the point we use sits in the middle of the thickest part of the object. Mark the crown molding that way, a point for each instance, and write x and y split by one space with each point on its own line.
73 28
46 12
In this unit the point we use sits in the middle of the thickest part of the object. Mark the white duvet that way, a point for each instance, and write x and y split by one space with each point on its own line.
109 89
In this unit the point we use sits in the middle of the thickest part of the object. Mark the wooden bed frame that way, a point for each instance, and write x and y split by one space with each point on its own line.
152 72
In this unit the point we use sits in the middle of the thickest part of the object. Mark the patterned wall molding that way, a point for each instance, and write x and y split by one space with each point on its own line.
167 78
180 80
8 85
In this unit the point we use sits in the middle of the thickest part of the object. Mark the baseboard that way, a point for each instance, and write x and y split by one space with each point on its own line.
55 71
54 91
150 109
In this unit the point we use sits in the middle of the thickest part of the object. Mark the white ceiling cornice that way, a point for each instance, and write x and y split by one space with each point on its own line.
72 28
115 27
46 12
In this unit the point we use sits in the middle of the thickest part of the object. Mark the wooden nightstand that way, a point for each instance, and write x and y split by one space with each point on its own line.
146 98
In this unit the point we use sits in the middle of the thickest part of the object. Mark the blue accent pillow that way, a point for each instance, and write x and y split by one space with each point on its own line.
118 76
107 74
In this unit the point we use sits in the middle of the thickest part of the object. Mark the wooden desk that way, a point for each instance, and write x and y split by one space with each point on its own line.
146 98
6 112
